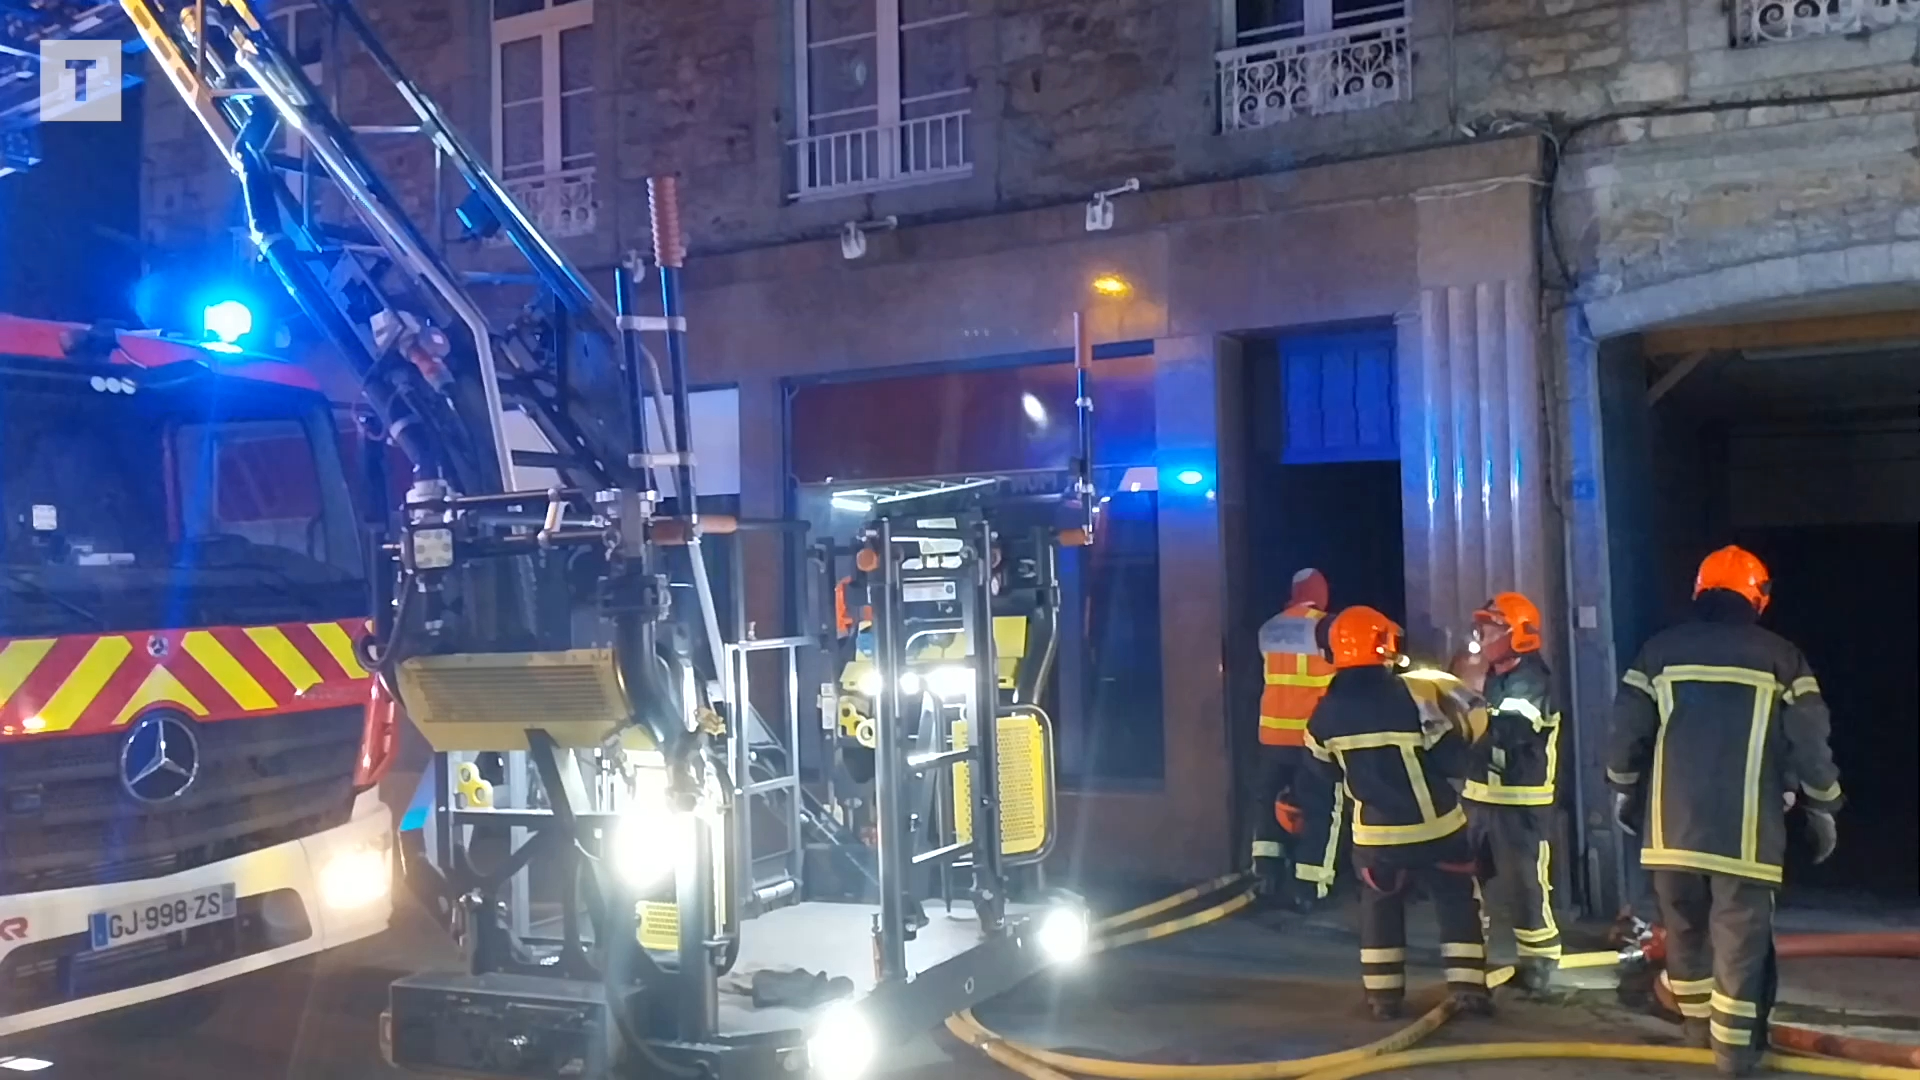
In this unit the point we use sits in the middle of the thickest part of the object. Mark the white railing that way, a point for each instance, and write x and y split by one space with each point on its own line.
1758 21
561 204
1273 82
886 155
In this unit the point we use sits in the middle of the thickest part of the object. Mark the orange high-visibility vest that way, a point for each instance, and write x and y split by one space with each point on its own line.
1297 675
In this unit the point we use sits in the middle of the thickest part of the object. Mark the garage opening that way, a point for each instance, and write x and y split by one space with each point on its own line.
1809 457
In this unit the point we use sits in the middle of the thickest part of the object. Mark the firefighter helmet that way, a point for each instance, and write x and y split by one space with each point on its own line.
1736 570
1518 616
1362 637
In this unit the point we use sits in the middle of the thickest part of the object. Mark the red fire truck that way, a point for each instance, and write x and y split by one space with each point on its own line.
189 737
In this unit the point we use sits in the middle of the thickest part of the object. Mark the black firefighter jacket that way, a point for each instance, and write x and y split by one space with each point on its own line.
1715 721
1521 762
1372 744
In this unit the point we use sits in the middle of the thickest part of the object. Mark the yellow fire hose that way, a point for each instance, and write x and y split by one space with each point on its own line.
1382 1055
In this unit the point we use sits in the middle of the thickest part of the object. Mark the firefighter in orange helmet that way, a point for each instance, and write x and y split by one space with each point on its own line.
1297 675
1511 793
1716 717
1372 739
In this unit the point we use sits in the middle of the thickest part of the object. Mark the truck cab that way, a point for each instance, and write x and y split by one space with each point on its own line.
189 735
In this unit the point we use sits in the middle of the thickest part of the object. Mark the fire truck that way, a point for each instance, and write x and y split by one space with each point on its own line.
189 737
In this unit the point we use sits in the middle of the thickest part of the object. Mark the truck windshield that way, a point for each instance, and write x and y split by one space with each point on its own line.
212 501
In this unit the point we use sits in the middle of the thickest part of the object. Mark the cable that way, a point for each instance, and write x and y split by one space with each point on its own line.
1166 929
1445 1055
1144 911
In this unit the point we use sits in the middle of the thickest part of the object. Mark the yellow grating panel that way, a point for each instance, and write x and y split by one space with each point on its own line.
1026 783
659 927
487 701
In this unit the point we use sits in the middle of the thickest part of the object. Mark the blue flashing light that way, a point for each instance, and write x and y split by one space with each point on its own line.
228 321
1190 477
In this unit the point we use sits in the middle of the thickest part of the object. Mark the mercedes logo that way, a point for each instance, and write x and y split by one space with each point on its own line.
160 759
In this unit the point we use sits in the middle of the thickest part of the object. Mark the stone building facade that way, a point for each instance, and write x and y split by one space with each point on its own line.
1517 188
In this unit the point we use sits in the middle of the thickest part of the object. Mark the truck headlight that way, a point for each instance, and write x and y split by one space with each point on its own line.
842 1046
356 878
1063 933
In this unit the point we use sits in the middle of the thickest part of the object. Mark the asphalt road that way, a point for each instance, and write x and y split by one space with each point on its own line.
1249 989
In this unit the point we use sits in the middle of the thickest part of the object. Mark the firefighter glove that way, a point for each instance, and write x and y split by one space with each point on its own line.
1824 833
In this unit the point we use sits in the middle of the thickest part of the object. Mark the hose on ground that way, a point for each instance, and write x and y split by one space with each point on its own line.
1893 945
1395 1050
1668 1055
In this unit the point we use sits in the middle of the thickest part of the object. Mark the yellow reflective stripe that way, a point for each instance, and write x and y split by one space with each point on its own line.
1417 779
1462 950
1756 753
1734 1006
1543 866
1322 874
340 647
1656 833
1689 987
1383 982
1717 673
1729 1035
1397 835
273 642
1638 681
245 690
1676 858
1624 779
1694 1010
1266 849
1804 686
1472 976
1313 747
1534 937
1374 740
1522 707
84 684
1315 681
18 660
1825 794
1383 956
1501 795
160 686
1545 952
1282 723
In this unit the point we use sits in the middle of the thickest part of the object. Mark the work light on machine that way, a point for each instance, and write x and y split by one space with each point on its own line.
843 1044
1064 933
649 839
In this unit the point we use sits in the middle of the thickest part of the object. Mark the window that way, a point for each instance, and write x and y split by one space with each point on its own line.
883 93
1286 58
543 110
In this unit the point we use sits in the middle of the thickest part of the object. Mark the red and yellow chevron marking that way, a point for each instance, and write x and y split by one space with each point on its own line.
81 684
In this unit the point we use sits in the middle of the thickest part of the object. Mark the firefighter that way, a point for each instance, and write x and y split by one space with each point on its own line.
1297 675
1715 717
1510 796
1373 740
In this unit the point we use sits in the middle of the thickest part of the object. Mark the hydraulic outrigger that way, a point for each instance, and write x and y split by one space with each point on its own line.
530 627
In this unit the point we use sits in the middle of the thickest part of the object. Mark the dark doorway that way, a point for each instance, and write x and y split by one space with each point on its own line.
1812 461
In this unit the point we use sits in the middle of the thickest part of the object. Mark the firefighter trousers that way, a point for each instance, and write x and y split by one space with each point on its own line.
1514 853
1719 953
1272 845
1443 869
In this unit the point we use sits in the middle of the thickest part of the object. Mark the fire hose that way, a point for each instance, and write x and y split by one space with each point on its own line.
1897 945
1396 1050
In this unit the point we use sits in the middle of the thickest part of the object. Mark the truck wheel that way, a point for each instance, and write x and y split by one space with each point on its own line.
178 1014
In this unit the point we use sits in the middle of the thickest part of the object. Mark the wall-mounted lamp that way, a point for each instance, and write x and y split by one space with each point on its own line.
1100 210
853 235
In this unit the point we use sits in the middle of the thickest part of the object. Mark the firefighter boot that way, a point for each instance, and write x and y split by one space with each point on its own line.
1695 1033
1532 975
1735 1060
1471 1003
1387 1006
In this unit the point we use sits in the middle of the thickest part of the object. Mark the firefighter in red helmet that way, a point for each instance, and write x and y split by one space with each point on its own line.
1716 717
1511 792
1373 738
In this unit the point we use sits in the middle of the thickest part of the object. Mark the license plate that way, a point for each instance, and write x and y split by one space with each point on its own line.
164 915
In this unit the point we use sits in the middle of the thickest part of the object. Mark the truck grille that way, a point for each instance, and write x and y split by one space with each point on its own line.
66 821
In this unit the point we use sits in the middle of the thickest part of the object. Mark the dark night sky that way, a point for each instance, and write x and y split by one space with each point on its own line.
58 255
